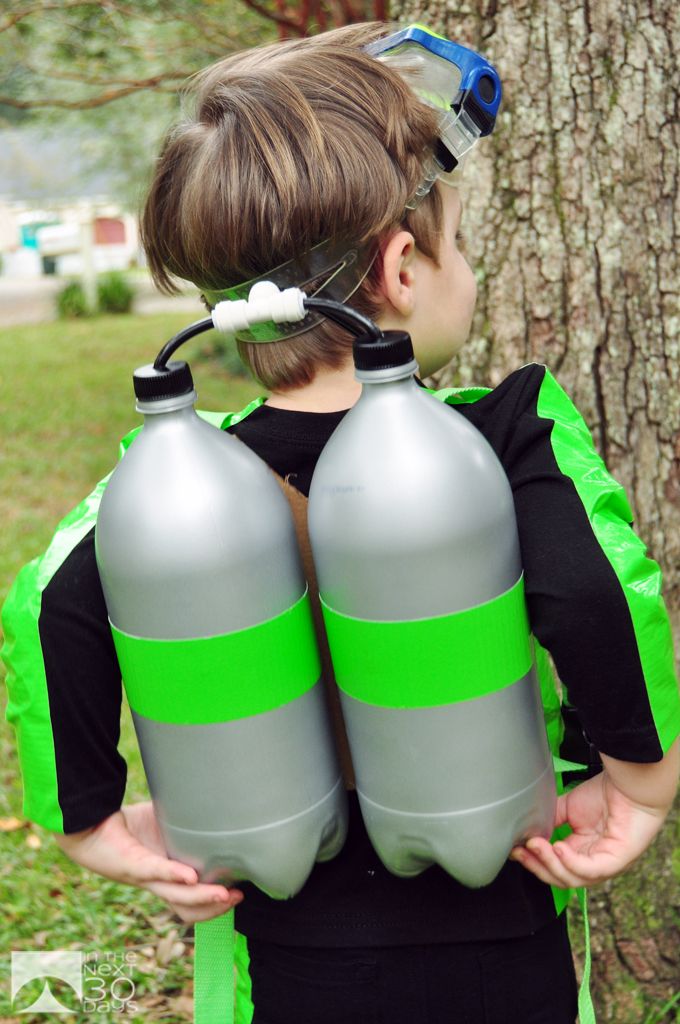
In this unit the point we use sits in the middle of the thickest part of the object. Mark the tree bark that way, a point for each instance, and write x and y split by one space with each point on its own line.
572 223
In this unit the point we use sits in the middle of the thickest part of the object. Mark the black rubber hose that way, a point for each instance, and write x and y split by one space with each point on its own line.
171 346
345 316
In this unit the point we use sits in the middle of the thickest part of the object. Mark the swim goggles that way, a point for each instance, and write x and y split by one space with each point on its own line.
465 89
460 84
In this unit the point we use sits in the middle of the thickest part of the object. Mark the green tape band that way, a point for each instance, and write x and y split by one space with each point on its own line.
220 678
429 662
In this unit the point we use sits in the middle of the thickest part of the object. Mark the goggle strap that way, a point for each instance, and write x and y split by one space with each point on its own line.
331 269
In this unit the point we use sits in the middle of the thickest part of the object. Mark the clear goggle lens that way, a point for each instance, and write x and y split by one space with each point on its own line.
456 81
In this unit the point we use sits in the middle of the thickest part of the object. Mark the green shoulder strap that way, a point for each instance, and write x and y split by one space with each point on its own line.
214 983
639 576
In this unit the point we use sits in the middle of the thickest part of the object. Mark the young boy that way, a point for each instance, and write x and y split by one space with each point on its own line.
298 154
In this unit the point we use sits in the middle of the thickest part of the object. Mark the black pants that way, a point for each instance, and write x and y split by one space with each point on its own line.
515 981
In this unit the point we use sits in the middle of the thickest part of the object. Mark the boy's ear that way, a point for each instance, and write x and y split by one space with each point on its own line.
397 279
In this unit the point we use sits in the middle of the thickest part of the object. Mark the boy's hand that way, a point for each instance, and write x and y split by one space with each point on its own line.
614 817
128 847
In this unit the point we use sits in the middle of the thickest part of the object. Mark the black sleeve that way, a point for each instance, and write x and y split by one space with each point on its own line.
84 691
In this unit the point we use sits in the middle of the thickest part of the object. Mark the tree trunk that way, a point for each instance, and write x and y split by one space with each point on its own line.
572 222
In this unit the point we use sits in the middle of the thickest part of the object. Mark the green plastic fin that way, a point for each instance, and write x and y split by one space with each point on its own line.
126 441
609 513
214 970
28 706
459 396
550 697
561 897
586 1010
230 419
560 765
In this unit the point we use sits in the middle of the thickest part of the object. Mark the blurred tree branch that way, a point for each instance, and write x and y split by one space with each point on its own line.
109 50
107 96
297 18
26 12
106 75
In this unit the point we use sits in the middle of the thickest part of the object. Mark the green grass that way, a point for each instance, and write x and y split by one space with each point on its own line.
66 400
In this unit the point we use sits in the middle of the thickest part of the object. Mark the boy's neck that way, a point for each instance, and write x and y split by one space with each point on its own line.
330 391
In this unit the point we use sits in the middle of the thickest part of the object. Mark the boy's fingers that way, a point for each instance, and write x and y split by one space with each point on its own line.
544 862
195 915
152 867
196 896
535 866
553 864
590 868
572 869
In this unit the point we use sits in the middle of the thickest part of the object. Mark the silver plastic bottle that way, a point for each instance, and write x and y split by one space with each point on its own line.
413 532
207 602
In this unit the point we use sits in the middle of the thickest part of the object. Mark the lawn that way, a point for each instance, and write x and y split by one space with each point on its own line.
66 400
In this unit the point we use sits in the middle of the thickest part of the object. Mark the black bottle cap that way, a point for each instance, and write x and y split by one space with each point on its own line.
152 385
394 349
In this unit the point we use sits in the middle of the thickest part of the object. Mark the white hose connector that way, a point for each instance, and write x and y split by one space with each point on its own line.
264 303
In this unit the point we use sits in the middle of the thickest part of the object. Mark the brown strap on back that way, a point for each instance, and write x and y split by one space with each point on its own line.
298 506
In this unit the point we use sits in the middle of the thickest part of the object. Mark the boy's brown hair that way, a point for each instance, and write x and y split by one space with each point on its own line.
291 144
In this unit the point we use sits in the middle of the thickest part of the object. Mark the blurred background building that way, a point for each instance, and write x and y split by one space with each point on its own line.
56 214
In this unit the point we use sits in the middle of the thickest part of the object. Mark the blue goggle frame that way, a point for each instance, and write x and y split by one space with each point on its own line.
459 83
